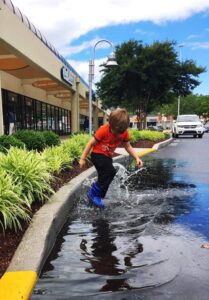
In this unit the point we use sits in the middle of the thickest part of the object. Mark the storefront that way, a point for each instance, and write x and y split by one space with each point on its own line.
39 89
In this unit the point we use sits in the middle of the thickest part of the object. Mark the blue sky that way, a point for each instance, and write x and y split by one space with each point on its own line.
74 31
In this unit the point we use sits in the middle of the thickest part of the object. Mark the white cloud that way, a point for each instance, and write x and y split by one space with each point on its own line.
63 21
193 36
199 45
83 68
140 31
66 50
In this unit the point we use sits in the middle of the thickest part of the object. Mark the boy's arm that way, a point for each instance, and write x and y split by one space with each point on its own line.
133 153
86 151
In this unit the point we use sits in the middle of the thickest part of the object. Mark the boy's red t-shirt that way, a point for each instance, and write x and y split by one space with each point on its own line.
108 141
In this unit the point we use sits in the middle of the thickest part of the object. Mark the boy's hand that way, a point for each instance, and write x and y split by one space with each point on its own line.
82 162
139 162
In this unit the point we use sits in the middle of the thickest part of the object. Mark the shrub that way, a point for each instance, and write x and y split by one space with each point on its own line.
167 135
136 135
7 141
33 140
81 138
151 135
57 159
12 209
75 144
70 150
51 138
28 169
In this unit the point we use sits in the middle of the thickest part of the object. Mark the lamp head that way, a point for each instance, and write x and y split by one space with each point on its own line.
181 45
111 61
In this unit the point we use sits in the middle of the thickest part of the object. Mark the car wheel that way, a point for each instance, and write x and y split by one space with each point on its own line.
200 136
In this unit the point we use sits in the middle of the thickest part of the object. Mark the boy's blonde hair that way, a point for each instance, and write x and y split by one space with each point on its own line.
119 120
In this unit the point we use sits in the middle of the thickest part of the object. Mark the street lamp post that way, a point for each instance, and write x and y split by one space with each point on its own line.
179 97
111 62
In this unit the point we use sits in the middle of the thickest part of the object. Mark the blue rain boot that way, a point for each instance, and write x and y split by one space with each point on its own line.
94 195
90 197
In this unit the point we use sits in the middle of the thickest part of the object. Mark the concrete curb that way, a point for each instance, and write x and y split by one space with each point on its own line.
155 147
20 278
162 144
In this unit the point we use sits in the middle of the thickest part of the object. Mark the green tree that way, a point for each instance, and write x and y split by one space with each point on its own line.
191 104
203 107
147 76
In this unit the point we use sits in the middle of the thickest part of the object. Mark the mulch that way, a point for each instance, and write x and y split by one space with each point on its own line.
144 144
9 240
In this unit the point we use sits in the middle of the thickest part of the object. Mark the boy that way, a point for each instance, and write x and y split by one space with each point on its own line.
102 147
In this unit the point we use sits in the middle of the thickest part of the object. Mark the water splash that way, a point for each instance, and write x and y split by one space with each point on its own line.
124 175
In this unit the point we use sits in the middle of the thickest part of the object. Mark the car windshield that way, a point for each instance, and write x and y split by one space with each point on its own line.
188 119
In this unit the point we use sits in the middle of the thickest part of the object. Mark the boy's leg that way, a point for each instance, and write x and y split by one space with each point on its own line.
106 171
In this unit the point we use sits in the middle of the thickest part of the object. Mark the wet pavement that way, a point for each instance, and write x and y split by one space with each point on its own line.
146 243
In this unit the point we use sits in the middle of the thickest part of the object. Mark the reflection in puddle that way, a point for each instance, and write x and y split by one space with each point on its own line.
146 243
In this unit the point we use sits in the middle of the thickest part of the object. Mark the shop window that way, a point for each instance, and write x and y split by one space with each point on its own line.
49 117
38 115
44 116
29 113
53 118
33 114
56 115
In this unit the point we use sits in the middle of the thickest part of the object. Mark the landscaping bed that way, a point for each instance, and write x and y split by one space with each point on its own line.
143 144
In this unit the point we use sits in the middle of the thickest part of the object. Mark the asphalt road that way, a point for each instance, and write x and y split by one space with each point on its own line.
193 152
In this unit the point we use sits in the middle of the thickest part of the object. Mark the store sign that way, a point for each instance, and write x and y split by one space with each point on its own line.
67 76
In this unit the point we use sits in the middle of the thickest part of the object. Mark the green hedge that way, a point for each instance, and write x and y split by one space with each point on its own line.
136 135
8 141
37 140
51 138
33 140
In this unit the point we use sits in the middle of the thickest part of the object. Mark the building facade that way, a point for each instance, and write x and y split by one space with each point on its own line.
39 89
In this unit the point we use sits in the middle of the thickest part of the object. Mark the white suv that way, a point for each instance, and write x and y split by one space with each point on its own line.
188 125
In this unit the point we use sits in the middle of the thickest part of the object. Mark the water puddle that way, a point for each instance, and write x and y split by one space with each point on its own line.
145 244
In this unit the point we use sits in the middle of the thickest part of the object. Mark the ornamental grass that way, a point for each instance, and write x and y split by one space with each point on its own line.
30 170
12 205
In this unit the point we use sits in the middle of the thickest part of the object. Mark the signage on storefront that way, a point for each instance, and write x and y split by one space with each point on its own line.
67 76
